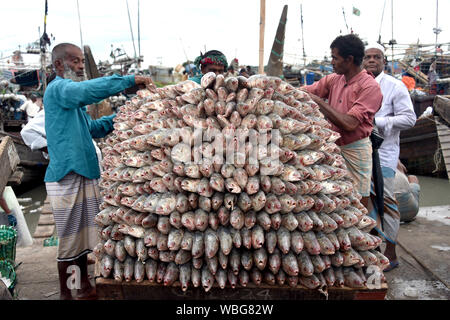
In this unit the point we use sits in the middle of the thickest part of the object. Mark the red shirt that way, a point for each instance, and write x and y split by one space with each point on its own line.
361 98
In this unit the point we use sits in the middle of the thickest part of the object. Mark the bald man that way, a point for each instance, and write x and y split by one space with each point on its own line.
71 176
396 114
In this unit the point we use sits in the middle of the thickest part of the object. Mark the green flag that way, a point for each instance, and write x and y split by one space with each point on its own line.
356 11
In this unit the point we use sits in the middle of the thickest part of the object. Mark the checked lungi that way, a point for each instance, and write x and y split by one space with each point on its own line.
75 202
358 159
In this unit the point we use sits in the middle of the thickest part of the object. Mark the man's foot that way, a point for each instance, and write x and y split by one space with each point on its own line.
392 265
65 296
89 294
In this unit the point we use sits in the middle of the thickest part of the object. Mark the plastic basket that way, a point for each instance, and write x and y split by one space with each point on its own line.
8 240
7 271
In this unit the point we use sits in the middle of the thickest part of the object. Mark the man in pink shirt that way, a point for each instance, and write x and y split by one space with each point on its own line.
353 98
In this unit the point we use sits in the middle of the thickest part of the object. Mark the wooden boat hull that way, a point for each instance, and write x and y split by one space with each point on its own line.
32 163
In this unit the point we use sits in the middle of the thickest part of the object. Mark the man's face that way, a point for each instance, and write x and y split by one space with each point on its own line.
73 64
340 65
374 61
213 68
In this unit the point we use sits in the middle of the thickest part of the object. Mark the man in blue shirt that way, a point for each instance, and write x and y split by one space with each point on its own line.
72 173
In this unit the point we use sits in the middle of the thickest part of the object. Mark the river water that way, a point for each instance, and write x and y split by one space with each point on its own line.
434 192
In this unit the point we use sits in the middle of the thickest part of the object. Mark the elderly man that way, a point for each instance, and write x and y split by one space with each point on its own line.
212 61
71 177
395 114
353 99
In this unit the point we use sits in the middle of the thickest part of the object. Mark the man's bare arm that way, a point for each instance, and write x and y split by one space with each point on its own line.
341 120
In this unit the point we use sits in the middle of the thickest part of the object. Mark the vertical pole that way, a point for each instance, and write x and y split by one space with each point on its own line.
392 29
139 34
435 46
261 35
303 45
131 30
79 22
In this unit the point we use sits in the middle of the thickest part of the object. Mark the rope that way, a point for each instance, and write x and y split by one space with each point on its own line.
437 157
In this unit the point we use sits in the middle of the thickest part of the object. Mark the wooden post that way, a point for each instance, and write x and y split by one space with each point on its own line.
262 23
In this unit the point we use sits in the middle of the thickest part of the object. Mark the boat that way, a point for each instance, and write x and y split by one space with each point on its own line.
425 148
32 163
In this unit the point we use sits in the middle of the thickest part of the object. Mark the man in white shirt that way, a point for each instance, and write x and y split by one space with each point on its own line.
30 107
395 114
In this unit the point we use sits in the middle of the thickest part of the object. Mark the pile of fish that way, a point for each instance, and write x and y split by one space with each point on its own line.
233 181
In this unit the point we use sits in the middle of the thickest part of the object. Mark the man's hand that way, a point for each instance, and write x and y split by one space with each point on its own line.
315 98
147 81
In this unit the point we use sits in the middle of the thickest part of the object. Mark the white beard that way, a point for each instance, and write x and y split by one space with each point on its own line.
70 74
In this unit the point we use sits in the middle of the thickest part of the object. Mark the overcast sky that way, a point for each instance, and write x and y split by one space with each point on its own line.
173 30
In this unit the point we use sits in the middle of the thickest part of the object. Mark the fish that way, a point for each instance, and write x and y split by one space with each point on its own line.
263 220
236 236
297 242
119 251
269 278
139 271
319 265
234 261
290 264
128 271
198 247
185 276
195 277
256 276
221 278
106 266
283 240
247 259
351 278
310 282
311 243
211 240
201 220
270 241
260 258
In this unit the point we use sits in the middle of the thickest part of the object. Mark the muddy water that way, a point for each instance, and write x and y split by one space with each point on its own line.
434 192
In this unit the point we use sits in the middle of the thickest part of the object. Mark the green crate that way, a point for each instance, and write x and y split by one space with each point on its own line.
8 240
7 271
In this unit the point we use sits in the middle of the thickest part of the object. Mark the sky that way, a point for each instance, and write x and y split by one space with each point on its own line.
173 31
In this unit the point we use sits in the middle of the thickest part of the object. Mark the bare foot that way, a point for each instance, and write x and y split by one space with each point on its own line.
87 295
65 296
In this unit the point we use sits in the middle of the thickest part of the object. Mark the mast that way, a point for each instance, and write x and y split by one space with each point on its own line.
262 22
275 65
392 41
303 41
44 40
139 34
436 30
131 30
79 22
345 20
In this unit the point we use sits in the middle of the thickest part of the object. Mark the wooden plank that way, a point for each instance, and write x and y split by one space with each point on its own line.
441 106
109 289
46 208
46 219
16 177
44 231
9 160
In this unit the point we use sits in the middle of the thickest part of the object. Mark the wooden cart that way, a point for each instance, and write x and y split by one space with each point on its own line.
110 289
